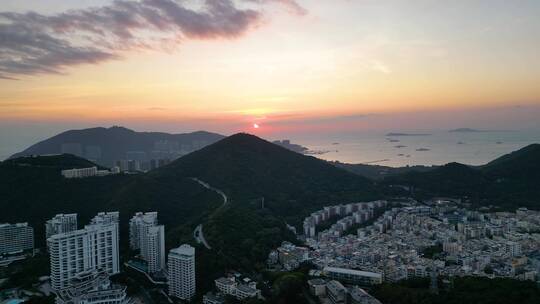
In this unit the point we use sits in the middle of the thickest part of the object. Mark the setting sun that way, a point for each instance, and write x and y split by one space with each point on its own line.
256 126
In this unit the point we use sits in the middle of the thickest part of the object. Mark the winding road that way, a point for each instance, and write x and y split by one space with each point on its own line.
198 232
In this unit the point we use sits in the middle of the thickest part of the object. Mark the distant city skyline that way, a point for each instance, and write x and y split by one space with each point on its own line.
285 65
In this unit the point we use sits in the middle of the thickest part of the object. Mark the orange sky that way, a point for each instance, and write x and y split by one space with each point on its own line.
340 58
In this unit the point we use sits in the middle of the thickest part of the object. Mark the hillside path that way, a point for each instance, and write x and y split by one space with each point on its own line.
198 232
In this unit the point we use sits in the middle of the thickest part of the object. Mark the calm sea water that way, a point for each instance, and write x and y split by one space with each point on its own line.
441 147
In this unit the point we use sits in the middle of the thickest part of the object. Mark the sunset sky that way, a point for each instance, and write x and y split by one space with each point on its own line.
287 66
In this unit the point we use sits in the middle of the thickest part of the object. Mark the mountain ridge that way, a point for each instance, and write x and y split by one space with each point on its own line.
509 181
107 145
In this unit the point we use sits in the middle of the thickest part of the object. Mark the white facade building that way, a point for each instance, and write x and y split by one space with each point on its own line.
93 248
136 227
182 272
513 248
229 286
88 172
106 218
61 223
15 238
146 235
80 173
154 248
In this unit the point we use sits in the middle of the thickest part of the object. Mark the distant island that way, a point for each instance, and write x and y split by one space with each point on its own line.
470 130
465 130
407 134
423 149
287 144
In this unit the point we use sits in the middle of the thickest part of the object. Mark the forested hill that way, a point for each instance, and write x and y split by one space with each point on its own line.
32 190
248 167
510 181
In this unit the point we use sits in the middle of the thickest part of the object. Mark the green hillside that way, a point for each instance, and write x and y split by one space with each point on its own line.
510 181
378 172
56 162
249 168
32 190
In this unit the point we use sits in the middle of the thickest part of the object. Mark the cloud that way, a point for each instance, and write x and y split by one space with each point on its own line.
381 67
32 43
292 5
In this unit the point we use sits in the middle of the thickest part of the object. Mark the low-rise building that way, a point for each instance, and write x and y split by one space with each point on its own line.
92 287
226 285
244 291
317 287
213 298
229 286
80 173
360 296
351 276
337 293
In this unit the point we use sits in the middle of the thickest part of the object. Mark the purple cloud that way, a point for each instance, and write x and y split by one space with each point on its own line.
32 43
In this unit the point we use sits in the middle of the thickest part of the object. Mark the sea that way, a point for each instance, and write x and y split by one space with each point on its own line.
436 147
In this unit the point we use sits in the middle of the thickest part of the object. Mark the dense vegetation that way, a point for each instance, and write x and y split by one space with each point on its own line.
32 190
378 172
245 235
509 182
248 168
26 272
467 290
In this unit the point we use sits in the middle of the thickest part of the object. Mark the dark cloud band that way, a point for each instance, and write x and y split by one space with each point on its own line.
32 43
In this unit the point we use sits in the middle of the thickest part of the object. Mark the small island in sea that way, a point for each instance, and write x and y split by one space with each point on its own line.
423 149
407 134
465 130
287 144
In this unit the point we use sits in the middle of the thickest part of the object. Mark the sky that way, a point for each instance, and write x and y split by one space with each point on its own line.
288 66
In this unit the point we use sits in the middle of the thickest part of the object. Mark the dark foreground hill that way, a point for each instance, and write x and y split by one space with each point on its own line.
106 145
378 172
510 181
245 167
32 190
249 168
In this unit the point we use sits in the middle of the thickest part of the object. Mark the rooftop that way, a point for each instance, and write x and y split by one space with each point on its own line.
352 272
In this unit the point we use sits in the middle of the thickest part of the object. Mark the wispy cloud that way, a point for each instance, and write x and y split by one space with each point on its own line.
32 43
380 67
